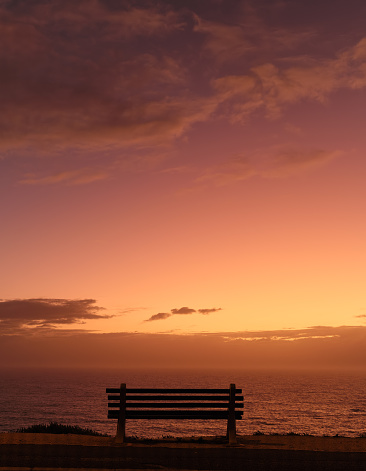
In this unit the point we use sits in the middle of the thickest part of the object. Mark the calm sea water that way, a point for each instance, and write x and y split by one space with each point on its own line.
317 404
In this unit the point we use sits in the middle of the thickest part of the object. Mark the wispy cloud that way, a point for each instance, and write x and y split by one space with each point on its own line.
291 161
228 43
209 311
159 316
224 42
72 177
181 311
267 163
286 335
270 87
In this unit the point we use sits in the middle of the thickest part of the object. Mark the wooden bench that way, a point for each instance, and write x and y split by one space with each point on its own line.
155 403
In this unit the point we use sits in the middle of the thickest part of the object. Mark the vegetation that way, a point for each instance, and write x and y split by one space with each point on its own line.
54 427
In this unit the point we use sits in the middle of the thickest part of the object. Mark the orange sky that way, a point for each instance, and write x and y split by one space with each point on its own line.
183 170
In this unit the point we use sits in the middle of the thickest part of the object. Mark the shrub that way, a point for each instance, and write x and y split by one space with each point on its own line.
54 427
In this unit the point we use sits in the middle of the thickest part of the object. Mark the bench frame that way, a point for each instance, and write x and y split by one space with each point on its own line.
156 403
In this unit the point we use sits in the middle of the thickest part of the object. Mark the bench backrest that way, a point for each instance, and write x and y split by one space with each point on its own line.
157 403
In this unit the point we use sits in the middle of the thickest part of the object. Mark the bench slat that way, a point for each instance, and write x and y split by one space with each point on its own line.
172 391
168 414
174 417
175 398
173 405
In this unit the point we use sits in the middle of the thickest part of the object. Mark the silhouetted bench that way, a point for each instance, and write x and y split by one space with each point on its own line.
175 404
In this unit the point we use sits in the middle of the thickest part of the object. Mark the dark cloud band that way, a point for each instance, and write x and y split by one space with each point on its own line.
25 315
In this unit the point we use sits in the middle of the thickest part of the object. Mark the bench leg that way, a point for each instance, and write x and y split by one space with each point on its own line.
231 431
121 431
121 424
231 423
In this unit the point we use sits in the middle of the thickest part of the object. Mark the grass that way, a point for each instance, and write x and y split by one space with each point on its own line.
295 434
55 427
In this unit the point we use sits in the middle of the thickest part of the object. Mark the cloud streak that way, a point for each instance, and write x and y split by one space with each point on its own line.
181 311
268 163
209 311
71 177
228 43
159 316
270 86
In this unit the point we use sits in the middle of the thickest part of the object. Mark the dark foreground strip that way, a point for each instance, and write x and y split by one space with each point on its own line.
137 457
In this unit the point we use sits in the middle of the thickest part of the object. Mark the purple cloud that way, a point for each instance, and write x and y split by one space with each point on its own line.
26 315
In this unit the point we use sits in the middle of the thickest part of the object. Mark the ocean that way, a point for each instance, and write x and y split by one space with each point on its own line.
322 403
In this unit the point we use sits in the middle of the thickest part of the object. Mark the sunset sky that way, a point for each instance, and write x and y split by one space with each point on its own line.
184 174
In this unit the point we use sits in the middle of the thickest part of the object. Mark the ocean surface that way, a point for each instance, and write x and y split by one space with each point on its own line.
274 402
